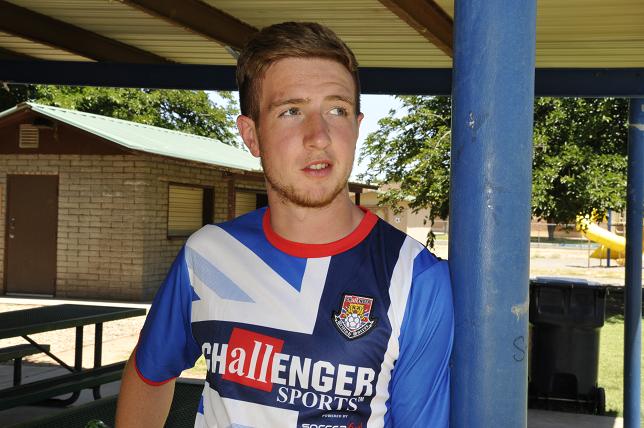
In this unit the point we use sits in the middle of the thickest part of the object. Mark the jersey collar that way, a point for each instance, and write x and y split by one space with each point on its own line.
299 249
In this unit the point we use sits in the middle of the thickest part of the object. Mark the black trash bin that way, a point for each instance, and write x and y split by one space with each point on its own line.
566 315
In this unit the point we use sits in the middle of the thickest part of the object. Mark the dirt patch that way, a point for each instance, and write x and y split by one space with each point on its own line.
574 262
564 260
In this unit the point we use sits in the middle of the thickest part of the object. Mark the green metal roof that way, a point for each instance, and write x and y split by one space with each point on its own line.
149 139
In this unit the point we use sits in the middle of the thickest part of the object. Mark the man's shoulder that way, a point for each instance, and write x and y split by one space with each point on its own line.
390 233
244 226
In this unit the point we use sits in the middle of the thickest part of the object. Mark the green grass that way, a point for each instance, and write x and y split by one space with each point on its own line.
611 356
611 365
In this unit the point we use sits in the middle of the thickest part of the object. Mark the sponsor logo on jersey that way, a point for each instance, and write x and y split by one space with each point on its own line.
351 425
255 360
354 318
251 356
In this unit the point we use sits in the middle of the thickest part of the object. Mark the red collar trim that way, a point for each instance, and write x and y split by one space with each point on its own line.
299 249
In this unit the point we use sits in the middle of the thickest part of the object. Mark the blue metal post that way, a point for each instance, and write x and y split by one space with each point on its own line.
633 292
489 247
610 224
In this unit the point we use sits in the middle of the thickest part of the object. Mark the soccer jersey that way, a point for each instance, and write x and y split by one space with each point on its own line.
352 334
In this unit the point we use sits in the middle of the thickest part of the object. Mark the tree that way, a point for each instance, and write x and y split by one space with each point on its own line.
188 111
10 95
413 152
579 159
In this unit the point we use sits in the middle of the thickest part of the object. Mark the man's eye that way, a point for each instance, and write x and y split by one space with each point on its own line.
293 111
339 111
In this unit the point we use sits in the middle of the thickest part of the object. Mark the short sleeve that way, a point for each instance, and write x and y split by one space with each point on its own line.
419 391
166 345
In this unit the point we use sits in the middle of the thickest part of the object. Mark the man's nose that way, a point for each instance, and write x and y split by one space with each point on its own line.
317 132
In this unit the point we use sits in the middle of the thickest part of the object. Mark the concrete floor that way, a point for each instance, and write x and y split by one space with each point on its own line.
550 419
9 417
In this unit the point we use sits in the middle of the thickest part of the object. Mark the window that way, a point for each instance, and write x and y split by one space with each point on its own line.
249 200
189 208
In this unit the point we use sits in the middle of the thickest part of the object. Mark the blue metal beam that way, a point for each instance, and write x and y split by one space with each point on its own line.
626 83
406 81
489 248
633 292
169 76
549 82
589 83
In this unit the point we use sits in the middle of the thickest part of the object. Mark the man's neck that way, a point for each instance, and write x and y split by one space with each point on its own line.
315 225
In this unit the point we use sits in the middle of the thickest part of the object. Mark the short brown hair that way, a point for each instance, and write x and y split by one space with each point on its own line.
288 40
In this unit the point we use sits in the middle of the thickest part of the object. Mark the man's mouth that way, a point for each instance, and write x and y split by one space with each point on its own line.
318 166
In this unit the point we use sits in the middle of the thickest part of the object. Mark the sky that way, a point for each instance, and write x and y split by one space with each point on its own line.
374 108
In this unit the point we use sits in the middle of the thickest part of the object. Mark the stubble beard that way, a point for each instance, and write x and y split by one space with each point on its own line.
288 192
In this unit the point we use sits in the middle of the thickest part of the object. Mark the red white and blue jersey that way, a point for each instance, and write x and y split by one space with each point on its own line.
352 334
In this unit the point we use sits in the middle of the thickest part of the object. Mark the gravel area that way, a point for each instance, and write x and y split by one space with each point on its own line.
561 260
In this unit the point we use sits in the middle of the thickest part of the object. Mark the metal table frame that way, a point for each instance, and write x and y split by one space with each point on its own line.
24 322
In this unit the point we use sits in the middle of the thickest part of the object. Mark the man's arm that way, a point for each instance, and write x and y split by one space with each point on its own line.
165 348
420 394
140 404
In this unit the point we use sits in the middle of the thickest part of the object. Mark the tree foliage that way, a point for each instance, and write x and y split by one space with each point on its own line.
579 161
188 111
412 151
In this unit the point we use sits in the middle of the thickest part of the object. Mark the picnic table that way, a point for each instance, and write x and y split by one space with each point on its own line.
24 322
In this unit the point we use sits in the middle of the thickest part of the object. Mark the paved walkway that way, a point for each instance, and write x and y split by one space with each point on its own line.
549 419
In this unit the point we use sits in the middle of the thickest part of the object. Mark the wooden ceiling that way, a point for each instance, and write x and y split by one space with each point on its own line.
382 33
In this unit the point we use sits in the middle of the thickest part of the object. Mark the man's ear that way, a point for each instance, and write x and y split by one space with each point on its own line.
248 132
359 118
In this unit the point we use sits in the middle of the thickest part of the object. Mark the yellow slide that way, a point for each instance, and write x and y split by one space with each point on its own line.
607 240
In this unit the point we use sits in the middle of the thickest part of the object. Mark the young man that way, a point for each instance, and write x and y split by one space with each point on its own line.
311 313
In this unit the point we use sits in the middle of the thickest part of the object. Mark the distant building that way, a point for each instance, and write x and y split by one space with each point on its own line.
97 207
414 224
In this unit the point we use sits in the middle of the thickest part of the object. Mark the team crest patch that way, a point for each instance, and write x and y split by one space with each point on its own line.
354 318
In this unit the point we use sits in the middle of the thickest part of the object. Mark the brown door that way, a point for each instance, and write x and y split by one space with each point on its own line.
32 216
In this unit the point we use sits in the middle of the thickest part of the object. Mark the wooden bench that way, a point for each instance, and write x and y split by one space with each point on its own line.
45 389
16 353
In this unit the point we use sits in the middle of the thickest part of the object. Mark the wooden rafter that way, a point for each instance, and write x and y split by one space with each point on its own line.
13 55
426 17
200 18
34 26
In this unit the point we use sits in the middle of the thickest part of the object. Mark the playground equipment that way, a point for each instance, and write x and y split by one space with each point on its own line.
606 239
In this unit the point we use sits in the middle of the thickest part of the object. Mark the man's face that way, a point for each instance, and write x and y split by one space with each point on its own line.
307 130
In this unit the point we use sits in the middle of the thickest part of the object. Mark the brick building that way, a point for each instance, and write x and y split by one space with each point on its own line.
97 207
